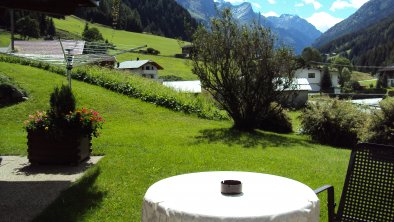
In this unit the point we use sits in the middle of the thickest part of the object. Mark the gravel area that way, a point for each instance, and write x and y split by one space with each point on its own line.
27 190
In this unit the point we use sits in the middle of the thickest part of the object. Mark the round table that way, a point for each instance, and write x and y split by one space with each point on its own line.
197 197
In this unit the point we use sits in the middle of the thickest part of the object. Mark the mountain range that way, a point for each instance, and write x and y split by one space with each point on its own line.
366 37
290 29
369 14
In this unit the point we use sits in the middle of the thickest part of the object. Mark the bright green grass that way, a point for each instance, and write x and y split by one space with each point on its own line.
143 143
171 65
361 76
367 83
5 39
122 39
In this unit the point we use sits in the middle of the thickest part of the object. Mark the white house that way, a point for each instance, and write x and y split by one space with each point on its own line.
144 68
314 76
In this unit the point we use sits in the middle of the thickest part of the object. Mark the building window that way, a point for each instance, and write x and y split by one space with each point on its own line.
147 67
311 75
392 82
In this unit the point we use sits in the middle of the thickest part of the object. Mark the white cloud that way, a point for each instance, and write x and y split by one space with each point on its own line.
299 4
256 5
315 3
341 4
323 21
235 1
271 1
271 13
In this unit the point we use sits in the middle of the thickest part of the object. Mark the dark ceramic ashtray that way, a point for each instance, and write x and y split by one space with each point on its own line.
231 187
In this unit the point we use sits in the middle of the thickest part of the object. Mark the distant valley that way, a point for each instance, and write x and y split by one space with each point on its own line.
287 27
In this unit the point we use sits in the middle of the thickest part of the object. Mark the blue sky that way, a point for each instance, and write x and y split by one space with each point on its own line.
323 14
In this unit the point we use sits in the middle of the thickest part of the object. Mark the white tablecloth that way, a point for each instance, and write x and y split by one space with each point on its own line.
196 197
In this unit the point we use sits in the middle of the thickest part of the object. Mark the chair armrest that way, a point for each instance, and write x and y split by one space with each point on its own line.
330 200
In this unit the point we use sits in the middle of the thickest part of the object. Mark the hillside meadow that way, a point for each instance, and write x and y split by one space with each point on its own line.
122 39
143 143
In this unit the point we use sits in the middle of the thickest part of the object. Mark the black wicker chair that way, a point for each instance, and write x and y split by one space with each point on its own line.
368 192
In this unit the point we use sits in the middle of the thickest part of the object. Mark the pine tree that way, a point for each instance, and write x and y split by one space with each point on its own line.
325 83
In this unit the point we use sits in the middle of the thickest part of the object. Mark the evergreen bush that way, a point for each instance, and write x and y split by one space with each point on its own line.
62 102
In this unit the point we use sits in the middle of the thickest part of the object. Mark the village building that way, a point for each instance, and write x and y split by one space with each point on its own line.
314 76
389 72
145 68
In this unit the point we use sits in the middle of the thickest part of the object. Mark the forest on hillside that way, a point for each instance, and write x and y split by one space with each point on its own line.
159 17
373 46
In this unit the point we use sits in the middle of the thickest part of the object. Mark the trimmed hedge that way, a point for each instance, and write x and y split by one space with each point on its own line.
133 86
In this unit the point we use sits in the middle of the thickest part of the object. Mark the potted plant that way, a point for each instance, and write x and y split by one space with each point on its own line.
63 134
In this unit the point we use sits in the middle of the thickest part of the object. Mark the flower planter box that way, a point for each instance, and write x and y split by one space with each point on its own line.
68 148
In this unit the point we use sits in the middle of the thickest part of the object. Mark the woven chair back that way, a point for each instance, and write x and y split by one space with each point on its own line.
368 194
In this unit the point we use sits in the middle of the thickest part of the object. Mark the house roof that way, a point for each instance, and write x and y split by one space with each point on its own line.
302 84
185 86
135 64
51 47
49 6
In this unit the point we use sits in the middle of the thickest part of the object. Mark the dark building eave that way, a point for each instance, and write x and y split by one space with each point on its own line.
65 7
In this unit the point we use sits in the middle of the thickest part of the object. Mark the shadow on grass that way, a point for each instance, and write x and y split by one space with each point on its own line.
252 139
72 203
54 169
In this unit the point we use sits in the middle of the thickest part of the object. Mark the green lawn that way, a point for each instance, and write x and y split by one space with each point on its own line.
143 143
122 39
361 76
5 39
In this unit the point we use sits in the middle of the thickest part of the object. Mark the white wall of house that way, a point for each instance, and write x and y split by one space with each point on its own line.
314 77
148 71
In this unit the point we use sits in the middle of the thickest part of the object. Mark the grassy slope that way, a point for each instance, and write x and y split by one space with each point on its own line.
126 40
143 143
5 39
121 38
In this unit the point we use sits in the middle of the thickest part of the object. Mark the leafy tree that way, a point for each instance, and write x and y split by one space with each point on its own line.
91 34
340 63
325 83
344 76
310 54
28 27
242 69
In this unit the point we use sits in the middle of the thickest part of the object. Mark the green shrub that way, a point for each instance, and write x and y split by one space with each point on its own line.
277 121
333 122
382 124
10 92
62 102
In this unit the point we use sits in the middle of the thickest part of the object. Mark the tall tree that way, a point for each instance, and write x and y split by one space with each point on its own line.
242 69
28 27
340 63
310 55
344 76
325 83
